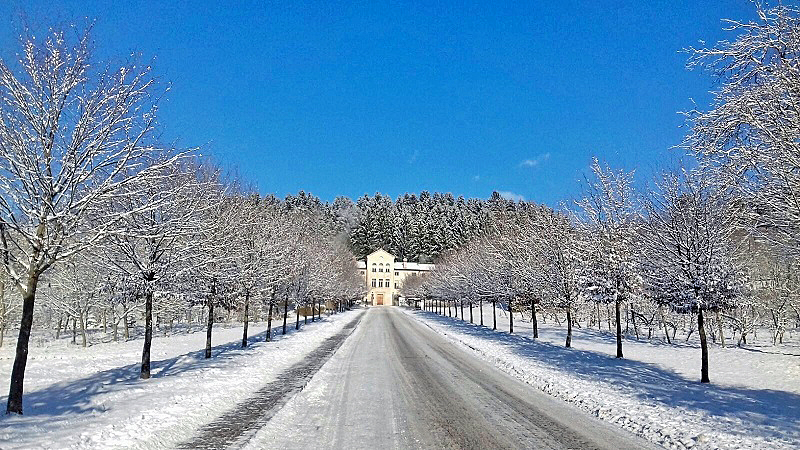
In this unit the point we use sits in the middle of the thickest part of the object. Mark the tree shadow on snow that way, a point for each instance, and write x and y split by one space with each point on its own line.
86 394
762 410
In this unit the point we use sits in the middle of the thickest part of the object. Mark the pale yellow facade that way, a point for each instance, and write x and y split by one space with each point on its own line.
384 277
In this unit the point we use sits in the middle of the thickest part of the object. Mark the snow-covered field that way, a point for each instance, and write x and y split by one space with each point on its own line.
752 402
92 398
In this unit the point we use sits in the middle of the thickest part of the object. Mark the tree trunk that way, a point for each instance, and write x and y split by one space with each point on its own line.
462 309
721 334
74 330
480 310
494 314
114 323
701 330
127 331
305 313
14 404
148 335
619 329
246 317
633 322
470 312
269 322
285 312
534 322
510 318
297 316
568 344
82 319
58 328
209 328
664 323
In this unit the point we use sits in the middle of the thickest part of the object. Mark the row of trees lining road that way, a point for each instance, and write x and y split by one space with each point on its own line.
100 223
717 242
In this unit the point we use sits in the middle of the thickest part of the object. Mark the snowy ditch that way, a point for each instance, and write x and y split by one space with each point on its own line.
647 399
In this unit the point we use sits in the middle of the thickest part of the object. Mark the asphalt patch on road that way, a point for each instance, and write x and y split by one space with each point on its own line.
237 426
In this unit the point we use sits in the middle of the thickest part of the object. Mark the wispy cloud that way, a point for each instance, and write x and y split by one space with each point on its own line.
535 162
476 178
508 195
413 157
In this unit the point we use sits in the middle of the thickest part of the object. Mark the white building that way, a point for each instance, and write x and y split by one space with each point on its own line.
384 276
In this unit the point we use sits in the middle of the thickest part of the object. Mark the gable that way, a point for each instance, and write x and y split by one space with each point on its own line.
380 255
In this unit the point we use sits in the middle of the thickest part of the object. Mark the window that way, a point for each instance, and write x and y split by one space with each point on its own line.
380 282
397 274
395 286
413 274
373 282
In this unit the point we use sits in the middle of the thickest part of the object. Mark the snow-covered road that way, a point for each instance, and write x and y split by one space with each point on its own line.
397 384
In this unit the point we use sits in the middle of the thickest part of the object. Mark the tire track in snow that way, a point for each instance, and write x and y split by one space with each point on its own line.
236 427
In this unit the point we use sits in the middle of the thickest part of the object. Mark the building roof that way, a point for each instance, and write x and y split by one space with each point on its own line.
412 266
402 266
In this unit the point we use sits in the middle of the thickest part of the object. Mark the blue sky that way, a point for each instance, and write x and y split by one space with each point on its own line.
348 98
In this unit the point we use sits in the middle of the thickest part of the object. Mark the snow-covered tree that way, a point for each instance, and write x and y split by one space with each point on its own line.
751 134
260 254
211 267
689 249
556 243
71 138
610 273
74 289
155 236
